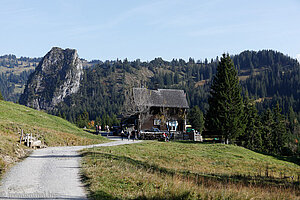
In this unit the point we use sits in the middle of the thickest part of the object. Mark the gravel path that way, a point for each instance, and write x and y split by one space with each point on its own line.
50 173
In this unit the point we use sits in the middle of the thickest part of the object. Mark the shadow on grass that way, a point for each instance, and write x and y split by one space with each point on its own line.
200 178
89 131
105 196
195 142
292 159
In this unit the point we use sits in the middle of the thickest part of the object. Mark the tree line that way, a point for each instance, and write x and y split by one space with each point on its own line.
236 119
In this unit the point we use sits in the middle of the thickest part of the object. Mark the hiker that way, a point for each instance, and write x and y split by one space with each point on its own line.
165 136
133 134
122 134
107 130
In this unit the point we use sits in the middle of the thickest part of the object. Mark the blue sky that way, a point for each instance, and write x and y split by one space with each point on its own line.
107 30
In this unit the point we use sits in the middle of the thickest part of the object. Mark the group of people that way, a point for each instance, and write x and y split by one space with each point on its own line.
129 134
98 128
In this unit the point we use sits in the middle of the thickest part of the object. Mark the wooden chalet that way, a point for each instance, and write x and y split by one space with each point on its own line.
164 109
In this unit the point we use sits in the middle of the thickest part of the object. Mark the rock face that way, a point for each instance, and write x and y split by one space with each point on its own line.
57 76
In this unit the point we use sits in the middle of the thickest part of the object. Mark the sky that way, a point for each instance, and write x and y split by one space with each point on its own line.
146 29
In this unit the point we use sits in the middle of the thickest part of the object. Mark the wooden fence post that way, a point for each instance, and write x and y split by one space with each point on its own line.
27 138
30 139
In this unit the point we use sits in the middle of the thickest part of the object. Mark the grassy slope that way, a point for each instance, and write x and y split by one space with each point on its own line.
53 130
157 170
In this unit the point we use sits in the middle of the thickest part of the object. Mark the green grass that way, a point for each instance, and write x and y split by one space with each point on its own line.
52 130
178 170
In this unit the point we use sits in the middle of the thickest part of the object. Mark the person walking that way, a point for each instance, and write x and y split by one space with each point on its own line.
133 134
122 134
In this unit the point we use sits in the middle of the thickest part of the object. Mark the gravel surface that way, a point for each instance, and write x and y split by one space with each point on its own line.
50 173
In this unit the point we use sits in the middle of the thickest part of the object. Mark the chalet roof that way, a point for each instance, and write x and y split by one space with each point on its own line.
170 98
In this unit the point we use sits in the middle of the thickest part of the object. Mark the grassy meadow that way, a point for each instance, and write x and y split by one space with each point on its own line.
183 170
52 130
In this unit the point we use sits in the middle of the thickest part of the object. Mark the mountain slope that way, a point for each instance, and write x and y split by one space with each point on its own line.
14 73
266 75
52 130
104 87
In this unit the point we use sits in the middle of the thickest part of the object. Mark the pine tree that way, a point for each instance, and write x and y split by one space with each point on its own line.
196 118
292 119
225 111
82 119
1 97
252 136
267 121
279 131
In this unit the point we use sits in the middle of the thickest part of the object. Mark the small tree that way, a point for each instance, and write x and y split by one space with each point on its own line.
196 118
267 121
279 131
1 97
225 113
83 119
252 136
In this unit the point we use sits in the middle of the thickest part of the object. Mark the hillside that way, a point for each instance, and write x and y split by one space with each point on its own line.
264 74
14 73
186 170
267 76
52 130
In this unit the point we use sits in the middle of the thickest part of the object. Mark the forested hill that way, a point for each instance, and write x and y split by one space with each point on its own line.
267 76
14 73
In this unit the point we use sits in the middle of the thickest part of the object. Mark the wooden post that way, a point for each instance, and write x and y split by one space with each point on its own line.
27 139
30 139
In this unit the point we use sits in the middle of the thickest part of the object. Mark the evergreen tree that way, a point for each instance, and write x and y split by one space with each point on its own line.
225 111
196 118
1 97
279 131
267 121
252 136
83 119
292 119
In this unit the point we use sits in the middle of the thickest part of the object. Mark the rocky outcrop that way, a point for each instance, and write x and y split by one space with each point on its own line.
57 76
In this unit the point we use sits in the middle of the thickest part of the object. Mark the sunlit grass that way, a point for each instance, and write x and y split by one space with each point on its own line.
51 130
158 170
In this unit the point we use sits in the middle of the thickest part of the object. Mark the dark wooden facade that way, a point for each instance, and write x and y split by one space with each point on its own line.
164 109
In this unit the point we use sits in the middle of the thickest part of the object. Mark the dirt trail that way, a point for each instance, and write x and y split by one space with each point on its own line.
51 173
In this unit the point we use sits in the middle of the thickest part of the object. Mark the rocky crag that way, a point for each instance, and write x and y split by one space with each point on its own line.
57 76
